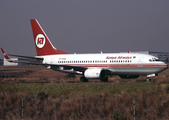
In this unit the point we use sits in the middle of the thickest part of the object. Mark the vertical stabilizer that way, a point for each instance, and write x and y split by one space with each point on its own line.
42 42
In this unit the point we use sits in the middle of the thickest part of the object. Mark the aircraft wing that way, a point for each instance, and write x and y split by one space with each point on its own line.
39 61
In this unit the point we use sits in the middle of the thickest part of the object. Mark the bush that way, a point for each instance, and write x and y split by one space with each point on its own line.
42 95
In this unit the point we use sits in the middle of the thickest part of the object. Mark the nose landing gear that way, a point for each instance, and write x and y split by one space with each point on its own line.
148 79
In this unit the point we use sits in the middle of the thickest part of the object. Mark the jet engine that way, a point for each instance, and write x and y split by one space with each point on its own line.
95 73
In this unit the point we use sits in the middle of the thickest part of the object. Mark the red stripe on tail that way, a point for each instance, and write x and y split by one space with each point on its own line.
42 42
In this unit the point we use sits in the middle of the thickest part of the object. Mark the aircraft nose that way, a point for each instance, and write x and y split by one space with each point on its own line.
165 65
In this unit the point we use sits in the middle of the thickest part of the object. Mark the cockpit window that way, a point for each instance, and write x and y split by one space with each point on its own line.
157 60
154 59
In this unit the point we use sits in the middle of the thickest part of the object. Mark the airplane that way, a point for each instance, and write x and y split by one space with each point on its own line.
90 66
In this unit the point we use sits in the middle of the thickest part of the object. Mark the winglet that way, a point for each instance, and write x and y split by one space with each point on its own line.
6 56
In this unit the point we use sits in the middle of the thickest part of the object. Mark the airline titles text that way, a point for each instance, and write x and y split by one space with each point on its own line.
119 57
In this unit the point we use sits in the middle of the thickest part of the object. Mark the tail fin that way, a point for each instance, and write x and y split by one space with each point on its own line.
42 42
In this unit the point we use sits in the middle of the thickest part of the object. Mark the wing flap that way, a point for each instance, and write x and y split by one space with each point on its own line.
68 68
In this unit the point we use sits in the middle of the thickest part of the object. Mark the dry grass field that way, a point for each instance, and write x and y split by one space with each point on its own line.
51 95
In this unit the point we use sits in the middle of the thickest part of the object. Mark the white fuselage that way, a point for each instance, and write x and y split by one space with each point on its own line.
117 63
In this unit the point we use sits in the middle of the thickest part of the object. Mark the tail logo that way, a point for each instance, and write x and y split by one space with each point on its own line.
40 40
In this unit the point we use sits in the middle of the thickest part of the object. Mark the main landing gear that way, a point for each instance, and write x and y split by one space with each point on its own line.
83 79
104 80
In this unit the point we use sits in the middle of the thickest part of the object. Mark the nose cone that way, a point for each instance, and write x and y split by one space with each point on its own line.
161 67
164 65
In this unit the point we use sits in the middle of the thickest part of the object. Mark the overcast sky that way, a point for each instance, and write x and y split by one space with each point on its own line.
86 26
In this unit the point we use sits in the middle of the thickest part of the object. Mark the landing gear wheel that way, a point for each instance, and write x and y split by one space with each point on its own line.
105 79
148 79
83 79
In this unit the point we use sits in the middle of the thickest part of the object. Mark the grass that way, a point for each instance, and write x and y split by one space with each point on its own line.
78 89
76 101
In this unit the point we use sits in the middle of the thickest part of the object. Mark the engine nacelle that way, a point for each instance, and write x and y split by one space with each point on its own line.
129 76
95 73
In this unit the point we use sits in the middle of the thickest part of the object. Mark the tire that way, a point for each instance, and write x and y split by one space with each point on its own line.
105 79
148 79
83 79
